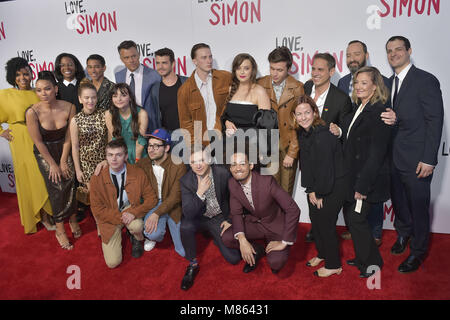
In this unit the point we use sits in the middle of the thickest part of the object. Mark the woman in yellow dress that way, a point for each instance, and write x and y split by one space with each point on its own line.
30 187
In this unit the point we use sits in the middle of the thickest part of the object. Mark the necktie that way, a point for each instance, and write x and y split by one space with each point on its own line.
395 92
350 87
132 84
119 191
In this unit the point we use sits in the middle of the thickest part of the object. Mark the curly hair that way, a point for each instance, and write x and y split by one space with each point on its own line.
125 89
79 70
237 61
12 66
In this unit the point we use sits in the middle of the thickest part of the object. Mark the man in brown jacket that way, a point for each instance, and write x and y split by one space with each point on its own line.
201 98
284 91
120 196
164 176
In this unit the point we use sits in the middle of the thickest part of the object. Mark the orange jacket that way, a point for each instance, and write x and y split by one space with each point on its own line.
288 102
103 197
191 106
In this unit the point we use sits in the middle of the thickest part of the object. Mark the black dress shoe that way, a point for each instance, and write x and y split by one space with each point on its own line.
411 264
259 254
400 245
189 276
352 262
137 247
309 237
365 274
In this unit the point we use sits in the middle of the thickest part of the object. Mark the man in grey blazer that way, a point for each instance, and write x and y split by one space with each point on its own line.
139 77
417 102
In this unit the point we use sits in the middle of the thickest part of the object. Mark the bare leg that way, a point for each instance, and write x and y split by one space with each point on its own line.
61 236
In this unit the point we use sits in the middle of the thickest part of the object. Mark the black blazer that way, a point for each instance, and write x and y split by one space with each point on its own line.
420 113
366 154
193 207
321 159
337 104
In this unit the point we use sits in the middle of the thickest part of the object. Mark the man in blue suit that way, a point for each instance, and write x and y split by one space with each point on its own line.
417 102
139 77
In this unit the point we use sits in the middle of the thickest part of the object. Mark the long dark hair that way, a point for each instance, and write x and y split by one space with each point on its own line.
79 71
237 61
117 132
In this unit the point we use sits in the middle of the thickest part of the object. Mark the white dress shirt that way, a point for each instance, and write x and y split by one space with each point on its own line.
119 182
66 83
158 171
321 100
138 79
206 90
401 76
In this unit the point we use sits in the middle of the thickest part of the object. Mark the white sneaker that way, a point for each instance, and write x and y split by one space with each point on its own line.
149 245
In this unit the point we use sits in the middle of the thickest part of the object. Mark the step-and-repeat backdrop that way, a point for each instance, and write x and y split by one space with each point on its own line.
40 30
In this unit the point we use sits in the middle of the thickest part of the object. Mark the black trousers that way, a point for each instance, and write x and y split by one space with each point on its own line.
366 250
411 201
324 225
189 228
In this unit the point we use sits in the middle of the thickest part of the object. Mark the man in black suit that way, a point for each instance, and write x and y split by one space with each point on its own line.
417 102
205 204
333 103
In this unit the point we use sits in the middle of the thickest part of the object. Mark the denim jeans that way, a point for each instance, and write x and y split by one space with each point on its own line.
158 234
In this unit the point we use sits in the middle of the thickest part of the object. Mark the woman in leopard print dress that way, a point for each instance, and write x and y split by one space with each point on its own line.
89 135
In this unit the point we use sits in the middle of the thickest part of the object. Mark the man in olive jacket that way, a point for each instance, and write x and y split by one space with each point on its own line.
164 176
120 196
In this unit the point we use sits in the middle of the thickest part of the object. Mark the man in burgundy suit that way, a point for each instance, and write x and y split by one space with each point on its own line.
259 209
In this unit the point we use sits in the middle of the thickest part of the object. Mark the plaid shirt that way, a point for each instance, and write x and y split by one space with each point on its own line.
212 205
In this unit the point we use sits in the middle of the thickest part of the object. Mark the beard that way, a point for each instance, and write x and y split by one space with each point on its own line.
353 68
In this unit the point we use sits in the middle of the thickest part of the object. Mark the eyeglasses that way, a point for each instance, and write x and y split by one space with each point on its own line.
155 146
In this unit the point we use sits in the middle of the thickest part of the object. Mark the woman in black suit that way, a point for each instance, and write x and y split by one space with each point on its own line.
322 168
366 140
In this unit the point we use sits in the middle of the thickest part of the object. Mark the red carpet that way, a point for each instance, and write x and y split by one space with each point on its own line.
34 267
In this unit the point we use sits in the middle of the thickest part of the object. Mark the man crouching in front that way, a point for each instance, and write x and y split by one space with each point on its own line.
120 196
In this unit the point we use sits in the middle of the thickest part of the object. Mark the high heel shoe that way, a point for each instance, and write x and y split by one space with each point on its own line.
76 230
63 240
47 225
314 262
324 272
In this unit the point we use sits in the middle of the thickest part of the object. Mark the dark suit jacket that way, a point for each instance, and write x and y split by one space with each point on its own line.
193 207
337 104
155 110
366 154
274 208
420 113
344 83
